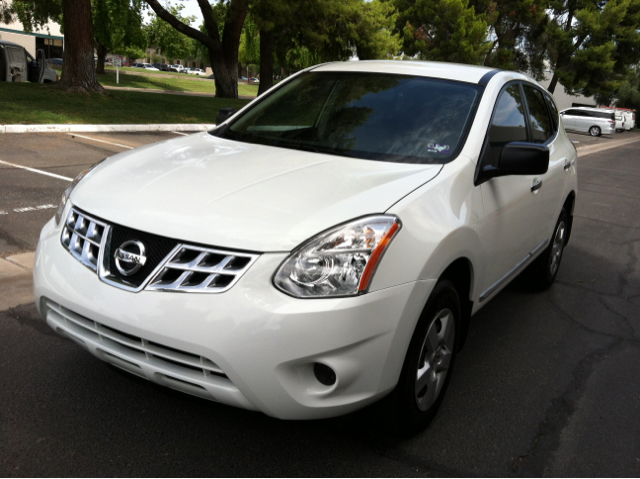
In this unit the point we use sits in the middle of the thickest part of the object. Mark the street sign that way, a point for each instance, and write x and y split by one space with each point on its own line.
117 62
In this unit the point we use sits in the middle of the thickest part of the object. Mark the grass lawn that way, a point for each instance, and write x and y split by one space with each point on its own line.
30 103
179 82
171 81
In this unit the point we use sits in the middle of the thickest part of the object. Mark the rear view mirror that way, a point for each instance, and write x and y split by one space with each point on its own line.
224 114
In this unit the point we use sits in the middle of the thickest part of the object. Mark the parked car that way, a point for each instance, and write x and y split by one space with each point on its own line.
149 66
619 122
254 80
305 261
17 65
157 65
628 120
164 67
176 68
197 71
594 121
243 78
186 70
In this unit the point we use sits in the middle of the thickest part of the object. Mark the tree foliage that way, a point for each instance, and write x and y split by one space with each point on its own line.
591 44
171 42
117 24
446 30
516 34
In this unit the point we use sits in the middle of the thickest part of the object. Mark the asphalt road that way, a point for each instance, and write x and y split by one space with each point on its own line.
548 384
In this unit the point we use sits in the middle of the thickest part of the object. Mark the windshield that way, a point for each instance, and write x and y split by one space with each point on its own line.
363 115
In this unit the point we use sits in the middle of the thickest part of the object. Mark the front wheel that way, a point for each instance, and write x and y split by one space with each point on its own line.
429 361
543 271
595 131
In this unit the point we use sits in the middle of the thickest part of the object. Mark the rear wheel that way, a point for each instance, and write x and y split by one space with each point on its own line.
429 361
595 131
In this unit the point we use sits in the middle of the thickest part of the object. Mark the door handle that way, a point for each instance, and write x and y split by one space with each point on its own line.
536 185
567 165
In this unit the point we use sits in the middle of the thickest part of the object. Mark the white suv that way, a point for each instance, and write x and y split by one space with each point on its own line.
322 248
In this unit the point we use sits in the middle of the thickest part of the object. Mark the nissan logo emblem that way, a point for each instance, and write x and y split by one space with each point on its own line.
130 257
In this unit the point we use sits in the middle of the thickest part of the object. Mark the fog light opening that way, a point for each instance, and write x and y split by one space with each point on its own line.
324 374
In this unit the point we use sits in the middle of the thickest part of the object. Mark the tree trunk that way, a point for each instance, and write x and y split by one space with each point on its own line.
102 56
226 79
554 81
78 73
266 61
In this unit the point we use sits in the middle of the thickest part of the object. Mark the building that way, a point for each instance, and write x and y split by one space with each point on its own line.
49 38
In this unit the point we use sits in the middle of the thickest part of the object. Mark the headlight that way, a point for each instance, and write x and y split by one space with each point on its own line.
338 262
67 192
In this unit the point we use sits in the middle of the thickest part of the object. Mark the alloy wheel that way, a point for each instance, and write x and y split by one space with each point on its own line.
557 248
434 359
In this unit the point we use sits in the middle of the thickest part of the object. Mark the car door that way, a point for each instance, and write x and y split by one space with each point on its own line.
510 228
543 129
568 119
17 64
584 120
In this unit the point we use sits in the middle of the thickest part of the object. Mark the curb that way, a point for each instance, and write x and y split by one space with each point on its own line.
104 128
589 149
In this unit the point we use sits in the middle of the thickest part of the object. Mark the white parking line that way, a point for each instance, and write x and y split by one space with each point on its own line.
53 175
101 141
180 133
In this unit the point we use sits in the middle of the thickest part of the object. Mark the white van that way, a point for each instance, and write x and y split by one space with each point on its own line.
628 119
593 121
17 65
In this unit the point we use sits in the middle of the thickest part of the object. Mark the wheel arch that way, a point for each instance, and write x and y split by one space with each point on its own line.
461 273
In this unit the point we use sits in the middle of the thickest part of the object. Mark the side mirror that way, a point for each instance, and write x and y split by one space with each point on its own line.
224 114
519 158
516 158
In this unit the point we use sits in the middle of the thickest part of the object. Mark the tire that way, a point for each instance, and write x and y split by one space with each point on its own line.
595 131
426 370
544 269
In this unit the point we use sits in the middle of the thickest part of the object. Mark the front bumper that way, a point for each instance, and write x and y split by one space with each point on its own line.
251 346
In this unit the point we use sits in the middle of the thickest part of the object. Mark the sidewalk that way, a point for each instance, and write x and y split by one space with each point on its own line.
16 280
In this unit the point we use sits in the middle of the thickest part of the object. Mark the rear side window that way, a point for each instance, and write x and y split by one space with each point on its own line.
541 129
607 115
508 122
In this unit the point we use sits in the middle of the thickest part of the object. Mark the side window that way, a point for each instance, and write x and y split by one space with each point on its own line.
508 122
553 110
541 129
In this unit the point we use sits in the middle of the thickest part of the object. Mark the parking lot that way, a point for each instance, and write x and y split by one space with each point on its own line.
547 383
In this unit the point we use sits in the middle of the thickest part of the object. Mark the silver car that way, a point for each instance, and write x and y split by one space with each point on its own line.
594 121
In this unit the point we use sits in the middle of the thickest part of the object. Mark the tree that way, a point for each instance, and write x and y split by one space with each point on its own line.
222 44
446 30
171 42
592 42
116 24
307 32
628 95
78 73
517 40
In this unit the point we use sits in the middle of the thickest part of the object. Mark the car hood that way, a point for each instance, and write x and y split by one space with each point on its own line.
218 192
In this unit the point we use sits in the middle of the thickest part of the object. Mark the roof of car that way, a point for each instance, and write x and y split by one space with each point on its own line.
448 71
5 42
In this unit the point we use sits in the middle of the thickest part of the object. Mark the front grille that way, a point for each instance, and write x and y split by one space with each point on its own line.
157 249
203 270
169 264
82 236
